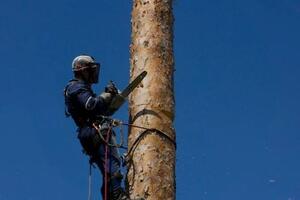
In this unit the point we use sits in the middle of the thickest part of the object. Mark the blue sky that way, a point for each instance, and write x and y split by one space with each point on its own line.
237 95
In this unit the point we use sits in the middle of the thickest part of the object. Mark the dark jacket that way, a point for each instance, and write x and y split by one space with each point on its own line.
84 107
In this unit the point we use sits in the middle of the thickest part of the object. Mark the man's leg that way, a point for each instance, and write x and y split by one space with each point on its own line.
115 191
114 176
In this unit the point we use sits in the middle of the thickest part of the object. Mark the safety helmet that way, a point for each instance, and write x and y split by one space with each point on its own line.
83 62
87 68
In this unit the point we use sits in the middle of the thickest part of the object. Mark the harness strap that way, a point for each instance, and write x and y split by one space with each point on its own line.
90 182
67 114
106 165
128 156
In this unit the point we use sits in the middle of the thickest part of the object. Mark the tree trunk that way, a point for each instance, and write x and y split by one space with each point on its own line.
151 170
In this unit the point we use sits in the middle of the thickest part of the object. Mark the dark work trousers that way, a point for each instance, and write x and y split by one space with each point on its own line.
96 149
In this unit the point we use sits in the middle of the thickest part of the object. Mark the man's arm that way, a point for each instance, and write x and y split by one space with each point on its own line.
96 104
87 100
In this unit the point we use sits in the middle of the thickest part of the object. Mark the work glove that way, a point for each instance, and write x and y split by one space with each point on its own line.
111 88
107 97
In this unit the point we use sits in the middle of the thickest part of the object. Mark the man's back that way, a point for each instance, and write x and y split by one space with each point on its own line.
82 103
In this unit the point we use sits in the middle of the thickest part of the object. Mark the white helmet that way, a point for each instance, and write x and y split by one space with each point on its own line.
83 62
84 66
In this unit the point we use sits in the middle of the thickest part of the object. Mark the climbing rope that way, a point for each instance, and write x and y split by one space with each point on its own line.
128 157
119 123
106 164
114 124
90 183
106 141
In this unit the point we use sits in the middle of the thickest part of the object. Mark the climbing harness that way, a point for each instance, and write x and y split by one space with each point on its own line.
128 157
90 181
113 123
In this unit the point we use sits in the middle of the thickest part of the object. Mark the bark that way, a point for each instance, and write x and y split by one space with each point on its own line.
151 172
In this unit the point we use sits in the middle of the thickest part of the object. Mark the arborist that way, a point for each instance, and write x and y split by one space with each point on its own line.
86 109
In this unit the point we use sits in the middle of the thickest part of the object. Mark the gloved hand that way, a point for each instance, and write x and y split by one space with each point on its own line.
107 97
111 88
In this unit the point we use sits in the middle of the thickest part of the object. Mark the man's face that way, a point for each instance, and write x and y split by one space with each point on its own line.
94 73
91 74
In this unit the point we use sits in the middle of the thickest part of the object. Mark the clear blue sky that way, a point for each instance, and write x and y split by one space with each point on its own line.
237 95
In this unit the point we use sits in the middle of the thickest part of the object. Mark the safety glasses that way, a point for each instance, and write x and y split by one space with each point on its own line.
93 65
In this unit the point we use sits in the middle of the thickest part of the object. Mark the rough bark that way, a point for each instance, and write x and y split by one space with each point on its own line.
151 172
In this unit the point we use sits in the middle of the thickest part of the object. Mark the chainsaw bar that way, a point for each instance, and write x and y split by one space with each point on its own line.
120 98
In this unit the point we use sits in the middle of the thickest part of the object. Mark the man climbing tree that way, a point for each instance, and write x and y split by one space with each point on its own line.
94 131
